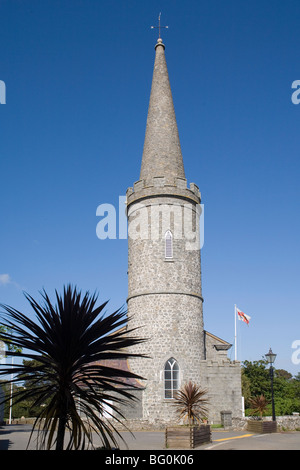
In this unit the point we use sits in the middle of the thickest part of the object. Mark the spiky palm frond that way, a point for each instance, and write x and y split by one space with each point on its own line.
258 404
69 346
191 403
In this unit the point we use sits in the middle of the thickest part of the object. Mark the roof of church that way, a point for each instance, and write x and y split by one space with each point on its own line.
221 343
122 365
162 152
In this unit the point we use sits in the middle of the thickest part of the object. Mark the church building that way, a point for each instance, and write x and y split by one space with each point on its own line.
165 300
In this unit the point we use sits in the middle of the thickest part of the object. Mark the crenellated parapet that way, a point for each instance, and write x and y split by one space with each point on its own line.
162 186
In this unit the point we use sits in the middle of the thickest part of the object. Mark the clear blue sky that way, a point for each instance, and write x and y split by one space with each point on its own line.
78 77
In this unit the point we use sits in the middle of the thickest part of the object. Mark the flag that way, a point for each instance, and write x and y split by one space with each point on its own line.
242 316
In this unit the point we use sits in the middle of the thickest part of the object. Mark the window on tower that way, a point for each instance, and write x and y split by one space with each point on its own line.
168 244
171 378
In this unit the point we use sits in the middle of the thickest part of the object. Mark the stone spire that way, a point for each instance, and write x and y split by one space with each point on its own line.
162 152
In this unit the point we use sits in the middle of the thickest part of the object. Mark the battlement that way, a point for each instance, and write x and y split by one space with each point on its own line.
163 186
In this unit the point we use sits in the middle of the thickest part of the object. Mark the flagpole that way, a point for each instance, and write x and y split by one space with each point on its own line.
235 345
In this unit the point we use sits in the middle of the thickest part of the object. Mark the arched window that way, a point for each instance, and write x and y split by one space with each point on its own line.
168 244
171 377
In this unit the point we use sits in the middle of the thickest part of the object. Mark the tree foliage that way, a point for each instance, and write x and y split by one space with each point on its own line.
191 403
256 382
258 404
65 349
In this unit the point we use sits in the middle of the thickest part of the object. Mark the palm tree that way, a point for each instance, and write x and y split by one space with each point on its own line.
258 404
69 349
191 403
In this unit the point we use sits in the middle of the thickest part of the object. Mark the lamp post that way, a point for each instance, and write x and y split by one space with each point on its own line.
271 359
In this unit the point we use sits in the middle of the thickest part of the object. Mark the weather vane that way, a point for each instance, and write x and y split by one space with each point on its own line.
159 26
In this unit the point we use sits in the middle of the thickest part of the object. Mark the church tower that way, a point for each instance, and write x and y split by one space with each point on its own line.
164 267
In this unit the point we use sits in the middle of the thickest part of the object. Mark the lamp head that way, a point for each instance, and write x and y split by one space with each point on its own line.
271 357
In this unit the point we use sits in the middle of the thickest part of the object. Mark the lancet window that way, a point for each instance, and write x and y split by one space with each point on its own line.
168 244
171 378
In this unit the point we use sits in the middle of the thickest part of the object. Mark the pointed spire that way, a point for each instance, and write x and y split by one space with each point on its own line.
162 152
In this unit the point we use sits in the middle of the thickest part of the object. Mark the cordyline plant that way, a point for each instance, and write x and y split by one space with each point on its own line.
66 346
191 403
258 404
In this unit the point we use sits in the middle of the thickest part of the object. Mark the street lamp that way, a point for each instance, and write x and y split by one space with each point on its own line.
271 359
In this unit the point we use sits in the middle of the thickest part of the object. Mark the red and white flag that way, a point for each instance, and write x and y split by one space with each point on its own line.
242 316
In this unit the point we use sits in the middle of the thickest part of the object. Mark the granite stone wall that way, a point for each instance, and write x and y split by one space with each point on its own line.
222 379
165 302
164 294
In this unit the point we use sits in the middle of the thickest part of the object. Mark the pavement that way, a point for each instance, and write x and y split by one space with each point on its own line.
16 436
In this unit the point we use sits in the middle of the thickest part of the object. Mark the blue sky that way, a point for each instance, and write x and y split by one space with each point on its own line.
78 77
